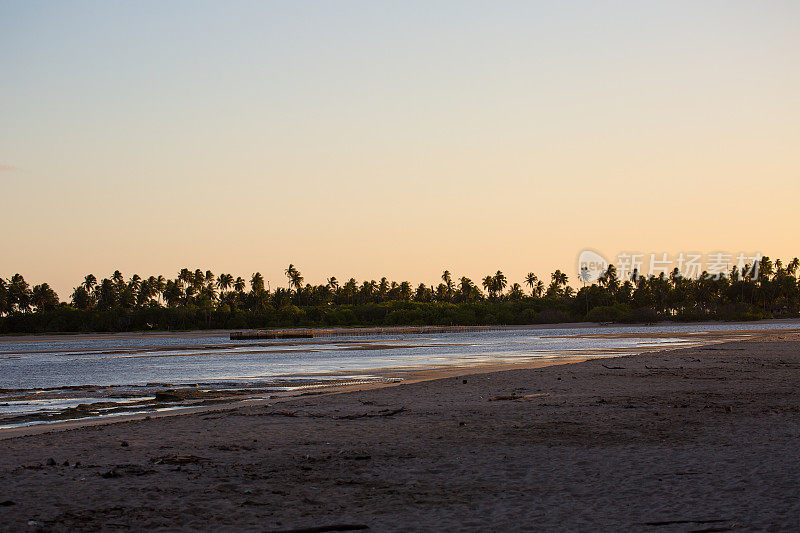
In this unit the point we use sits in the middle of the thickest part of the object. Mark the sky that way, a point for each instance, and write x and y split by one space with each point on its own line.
399 139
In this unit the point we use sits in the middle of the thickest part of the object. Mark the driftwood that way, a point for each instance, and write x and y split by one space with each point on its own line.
514 397
613 367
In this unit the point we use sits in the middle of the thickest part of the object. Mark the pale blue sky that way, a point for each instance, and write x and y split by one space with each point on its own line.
376 138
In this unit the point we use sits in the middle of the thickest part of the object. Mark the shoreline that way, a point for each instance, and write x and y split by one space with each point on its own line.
408 377
684 439
212 396
16 337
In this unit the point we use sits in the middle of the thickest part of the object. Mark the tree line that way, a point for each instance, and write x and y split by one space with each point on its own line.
199 299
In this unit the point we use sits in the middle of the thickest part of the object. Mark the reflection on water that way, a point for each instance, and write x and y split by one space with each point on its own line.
132 361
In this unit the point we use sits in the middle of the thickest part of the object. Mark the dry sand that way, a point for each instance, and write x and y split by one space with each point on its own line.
704 438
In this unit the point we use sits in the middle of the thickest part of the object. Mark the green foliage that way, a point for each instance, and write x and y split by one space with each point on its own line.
197 299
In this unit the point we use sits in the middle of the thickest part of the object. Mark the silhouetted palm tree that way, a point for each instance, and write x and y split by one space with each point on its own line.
489 285
239 285
500 282
89 282
448 283
257 282
224 282
530 281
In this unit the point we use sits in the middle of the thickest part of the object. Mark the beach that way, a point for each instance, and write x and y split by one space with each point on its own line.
705 438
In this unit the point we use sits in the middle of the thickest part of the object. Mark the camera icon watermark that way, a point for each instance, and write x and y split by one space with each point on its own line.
591 265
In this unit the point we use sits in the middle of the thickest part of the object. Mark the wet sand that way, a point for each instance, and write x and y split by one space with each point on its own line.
32 406
703 438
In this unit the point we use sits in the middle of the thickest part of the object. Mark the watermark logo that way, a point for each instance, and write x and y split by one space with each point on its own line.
591 266
631 265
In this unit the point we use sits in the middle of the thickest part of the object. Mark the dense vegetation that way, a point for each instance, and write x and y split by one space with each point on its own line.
201 300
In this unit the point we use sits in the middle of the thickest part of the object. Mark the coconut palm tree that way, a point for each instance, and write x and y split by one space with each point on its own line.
295 279
500 282
89 283
793 266
448 283
185 276
224 282
239 285
198 280
530 281
383 289
159 286
489 285
465 285
333 287
257 283
559 278
19 294
80 298
290 272
44 298
173 293
539 288
405 291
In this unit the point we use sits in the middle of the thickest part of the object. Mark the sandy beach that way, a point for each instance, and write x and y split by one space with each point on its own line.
698 439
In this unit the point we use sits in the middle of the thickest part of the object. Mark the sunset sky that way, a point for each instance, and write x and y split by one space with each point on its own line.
371 138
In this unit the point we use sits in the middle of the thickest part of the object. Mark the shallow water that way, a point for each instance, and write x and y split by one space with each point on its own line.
132 361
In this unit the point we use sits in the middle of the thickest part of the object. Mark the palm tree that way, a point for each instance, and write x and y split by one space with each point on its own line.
515 292
44 298
145 292
405 291
489 284
89 282
198 279
224 282
257 282
349 289
118 280
239 285
185 276
295 278
173 292
159 286
465 285
290 272
559 278
500 282
794 264
333 283
448 283
80 298
539 288
19 293
383 289
530 281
